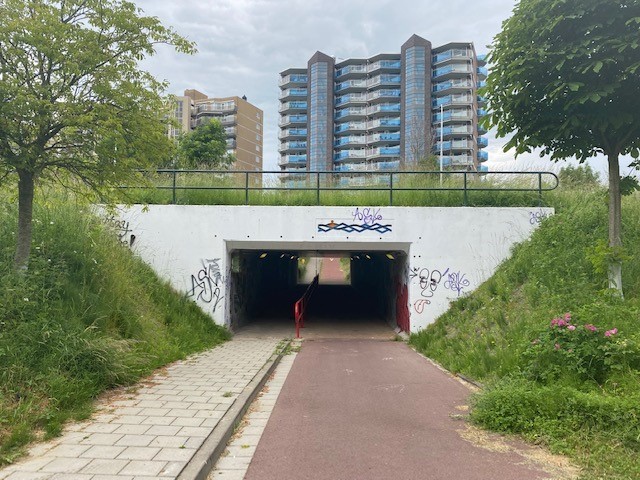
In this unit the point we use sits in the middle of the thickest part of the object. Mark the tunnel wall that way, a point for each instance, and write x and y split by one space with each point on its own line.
450 251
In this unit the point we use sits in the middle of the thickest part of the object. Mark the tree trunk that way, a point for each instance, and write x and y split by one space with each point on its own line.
25 215
615 222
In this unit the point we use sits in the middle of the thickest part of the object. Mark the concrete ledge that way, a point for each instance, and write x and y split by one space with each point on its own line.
210 451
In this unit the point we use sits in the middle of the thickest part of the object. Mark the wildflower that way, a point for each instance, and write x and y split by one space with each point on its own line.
613 331
571 327
25 299
535 342
567 317
590 327
556 346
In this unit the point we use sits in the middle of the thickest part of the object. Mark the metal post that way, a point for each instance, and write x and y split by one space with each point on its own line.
173 199
441 141
466 200
246 188
390 189
539 189
318 188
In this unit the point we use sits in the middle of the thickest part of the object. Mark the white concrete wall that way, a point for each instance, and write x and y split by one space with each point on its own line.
450 250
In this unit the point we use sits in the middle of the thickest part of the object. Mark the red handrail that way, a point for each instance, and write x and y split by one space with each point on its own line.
300 306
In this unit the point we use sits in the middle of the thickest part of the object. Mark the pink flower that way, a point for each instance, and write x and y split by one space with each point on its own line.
571 327
557 346
590 327
567 317
613 331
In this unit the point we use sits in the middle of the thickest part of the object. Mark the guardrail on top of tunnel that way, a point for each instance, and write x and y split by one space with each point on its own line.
406 188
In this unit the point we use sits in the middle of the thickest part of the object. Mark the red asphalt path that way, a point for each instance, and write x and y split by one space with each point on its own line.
363 409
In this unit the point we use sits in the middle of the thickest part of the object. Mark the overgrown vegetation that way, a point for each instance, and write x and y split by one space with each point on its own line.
85 317
571 382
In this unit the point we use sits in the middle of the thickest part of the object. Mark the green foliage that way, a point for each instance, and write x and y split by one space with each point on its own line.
580 398
85 317
564 77
581 176
204 147
74 105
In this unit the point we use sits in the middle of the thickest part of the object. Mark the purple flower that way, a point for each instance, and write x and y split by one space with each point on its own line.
613 331
590 327
571 327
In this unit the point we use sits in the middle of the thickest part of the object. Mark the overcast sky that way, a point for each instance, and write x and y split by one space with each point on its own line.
244 44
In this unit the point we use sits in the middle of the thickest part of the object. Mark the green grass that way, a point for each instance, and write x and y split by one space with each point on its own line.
85 317
492 336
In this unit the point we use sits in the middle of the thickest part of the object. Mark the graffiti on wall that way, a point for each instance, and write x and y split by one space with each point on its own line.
122 229
430 280
207 283
367 219
536 218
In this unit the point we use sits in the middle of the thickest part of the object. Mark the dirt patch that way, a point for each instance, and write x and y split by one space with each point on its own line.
557 466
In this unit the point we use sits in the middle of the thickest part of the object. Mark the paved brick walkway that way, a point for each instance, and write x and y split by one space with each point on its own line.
153 431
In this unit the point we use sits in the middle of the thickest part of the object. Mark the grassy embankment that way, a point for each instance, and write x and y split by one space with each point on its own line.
572 383
86 316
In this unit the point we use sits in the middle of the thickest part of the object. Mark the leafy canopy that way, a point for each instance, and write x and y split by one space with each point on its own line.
205 146
565 78
73 102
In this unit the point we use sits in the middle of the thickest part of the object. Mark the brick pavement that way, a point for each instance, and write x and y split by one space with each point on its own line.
151 431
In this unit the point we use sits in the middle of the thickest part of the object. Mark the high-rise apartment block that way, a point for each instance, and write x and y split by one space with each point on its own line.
241 120
384 112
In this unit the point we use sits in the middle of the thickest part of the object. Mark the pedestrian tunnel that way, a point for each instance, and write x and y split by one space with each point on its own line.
355 287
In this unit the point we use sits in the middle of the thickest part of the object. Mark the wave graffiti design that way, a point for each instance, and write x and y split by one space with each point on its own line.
354 228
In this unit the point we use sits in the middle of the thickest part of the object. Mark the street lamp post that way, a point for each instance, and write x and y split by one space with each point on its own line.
441 140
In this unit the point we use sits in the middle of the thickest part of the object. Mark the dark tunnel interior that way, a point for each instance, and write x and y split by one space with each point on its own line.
353 285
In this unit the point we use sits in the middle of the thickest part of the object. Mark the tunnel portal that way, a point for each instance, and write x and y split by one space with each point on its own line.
355 287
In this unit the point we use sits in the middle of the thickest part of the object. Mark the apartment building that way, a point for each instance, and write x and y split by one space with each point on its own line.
241 120
385 112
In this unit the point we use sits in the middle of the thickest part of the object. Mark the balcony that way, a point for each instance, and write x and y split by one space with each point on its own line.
456 130
458 161
482 59
481 112
350 113
292 120
231 143
293 93
355 70
293 80
453 54
481 130
293 160
453 116
384 65
383 108
350 127
294 106
483 156
231 131
451 71
384 124
482 72
454 145
349 154
216 107
383 152
351 85
383 137
383 94
351 98
463 99
453 85
292 133
385 79
483 142
228 119
482 100
293 146
483 169
350 140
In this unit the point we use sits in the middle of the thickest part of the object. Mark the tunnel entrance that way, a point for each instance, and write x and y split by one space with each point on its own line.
357 290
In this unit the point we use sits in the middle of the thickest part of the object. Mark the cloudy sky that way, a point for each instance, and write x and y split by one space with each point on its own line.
244 44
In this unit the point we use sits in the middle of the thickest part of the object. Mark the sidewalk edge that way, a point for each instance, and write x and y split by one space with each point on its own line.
205 458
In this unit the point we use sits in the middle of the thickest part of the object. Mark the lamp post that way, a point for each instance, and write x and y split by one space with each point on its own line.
441 140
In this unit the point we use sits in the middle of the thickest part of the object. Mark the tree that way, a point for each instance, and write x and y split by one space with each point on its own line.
74 105
581 176
421 141
205 146
564 78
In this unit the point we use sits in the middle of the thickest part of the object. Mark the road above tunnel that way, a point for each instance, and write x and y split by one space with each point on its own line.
371 409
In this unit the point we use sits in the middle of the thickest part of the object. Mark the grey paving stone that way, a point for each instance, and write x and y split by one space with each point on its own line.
139 453
65 465
105 467
103 451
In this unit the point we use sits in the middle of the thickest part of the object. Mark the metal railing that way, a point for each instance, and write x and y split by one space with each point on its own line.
300 307
391 182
